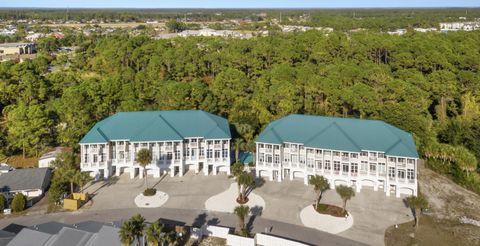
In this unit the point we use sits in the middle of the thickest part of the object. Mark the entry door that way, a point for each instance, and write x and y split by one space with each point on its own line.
286 173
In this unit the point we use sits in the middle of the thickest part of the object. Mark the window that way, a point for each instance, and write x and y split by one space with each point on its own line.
217 153
410 161
327 152
354 155
345 154
336 166
261 157
345 167
301 147
287 158
169 155
373 167
217 141
202 151
401 160
401 174
277 147
86 158
310 163
410 174
381 155
177 154
302 159
276 159
186 153
391 172
209 153
336 153
364 166
381 168
269 159
318 151
294 158
354 168
363 153
286 145
327 165
95 158
224 153
260 145
194 152
391 159
373 154
269 146
193 140
319 164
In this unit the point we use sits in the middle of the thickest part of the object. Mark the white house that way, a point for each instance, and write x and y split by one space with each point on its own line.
179 140
353 152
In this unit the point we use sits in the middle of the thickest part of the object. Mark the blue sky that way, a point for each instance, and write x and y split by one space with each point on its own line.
237 3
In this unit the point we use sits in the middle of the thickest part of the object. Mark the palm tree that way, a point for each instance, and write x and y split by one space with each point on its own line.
320 184
245 180
144 157
138 222
346 193
81 179
416 203
236 170
126 233
242 212
154 233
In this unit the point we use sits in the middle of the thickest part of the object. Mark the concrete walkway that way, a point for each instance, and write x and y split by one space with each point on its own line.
226 201
190 217
324 222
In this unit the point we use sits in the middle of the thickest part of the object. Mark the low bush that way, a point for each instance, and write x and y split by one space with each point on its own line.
18 203
150 192
3 203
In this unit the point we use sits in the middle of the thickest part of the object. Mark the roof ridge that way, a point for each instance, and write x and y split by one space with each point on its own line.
276 134
320 132
169 125
346 135
208 115
103 134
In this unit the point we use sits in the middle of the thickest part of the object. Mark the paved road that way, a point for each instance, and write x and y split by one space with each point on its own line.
190 217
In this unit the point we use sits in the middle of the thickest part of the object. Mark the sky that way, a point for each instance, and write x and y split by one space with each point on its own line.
237 3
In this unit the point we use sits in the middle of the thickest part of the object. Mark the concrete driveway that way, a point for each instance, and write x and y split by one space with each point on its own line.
187 192
372 211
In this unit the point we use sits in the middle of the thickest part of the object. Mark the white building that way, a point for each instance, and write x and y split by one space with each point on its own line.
47 158
353 152
32 182
179 141
460 26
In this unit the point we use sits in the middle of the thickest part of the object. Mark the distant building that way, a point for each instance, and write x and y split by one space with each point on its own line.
460 26
32 182
353 152
34 37
17 48
398 32
179 140
47 158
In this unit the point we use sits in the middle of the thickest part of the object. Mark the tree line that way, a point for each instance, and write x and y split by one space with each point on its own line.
424 83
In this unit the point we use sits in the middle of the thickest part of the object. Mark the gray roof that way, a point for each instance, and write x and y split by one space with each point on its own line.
28 237
52 154
25 179
90 226
69 236
107 236
6 237
51 227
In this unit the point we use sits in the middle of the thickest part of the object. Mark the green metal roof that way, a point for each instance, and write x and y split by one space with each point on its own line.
336 133
158 126
245 157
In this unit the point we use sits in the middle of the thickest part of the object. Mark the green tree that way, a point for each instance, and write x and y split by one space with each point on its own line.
346 193
3 203
175 26
417 203
18 203
127 233
320 184
154 233
144 158
246 181
138 222
242 212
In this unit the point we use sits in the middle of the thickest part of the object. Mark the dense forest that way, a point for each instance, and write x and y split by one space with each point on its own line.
424 83
339 19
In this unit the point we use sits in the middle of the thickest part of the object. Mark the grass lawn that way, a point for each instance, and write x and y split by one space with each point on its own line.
17 161
431 232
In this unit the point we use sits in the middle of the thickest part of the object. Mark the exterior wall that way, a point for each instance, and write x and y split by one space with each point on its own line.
198 154
393 174
45 162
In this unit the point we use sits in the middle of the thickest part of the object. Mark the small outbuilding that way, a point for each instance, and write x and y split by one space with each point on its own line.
47 158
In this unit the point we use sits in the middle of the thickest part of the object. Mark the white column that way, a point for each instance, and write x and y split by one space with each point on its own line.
132 172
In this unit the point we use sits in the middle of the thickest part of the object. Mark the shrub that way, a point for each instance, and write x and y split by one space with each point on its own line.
3 203
150 192
322 207
18 203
